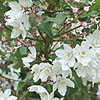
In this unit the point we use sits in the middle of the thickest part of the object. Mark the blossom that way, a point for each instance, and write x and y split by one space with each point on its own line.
7 95
31 57
84 54
94 39
86 8
39 90
20 5
60 69
43 93
84 24
75 9
66 57
17 18
61 84
43 71
77 1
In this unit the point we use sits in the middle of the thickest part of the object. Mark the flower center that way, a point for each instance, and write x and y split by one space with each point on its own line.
16 27
62 83
68 54
96 42
21 6
83 53
5 98
48 70
85 67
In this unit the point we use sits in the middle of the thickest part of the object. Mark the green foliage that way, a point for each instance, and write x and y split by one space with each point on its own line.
46 28
58 19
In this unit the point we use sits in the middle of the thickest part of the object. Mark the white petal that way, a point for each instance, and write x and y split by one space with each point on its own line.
69 83
62 89
33 51
55 86
26 3
7 92
15 33
60 53
12 98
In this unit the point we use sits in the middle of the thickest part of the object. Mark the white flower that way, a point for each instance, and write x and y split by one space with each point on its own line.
39 90
21 5
84 54
43 93
83 71
94 39
66 57
86 8
7 95
43 71
31 57
18 29
60 69
75 10
61 84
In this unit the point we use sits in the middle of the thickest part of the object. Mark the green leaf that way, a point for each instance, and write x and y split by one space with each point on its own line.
22 83
23 50
72 91
46 28
58 19
96 5
19 57
27 77
79 82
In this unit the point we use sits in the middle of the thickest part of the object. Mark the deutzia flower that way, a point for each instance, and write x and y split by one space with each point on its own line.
66 57
84 54
18 29
60 69
31 57
7 95
61 84
94 39
75 10
86 8
39 90
43 93
43 71
18 18
21 5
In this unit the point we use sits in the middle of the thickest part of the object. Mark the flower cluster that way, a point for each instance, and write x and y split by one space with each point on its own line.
18 17
60 41
84 59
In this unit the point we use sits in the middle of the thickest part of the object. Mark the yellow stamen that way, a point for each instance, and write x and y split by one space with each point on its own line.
96 42
48 70
21 6
5 98
16 27
83 53
62 83
68 54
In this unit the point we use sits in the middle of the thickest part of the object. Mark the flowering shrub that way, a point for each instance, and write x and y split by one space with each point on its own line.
50 50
